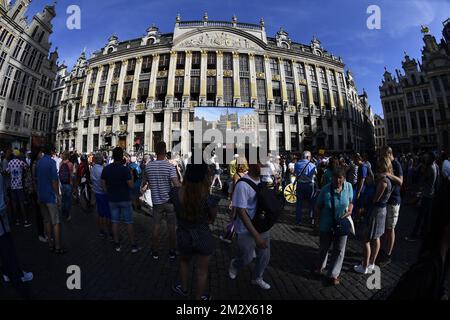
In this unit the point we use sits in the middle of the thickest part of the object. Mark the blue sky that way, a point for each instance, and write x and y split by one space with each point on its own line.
339 25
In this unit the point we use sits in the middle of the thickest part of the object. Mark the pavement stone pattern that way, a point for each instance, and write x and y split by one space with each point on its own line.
108 275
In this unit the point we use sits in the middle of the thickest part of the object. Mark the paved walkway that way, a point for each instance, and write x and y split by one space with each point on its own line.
106 274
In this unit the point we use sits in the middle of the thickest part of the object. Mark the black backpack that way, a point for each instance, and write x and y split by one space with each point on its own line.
268 206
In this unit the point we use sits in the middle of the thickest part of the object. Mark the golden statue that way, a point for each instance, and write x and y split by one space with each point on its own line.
424 29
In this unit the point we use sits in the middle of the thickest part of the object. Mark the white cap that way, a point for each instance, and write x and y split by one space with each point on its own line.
236 156
278 157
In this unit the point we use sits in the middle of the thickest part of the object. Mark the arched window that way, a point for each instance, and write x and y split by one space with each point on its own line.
19 8
151 41
41 36
284 45
34 32
110 50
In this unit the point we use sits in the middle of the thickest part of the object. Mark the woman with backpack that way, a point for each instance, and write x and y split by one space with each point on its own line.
65 179
375 219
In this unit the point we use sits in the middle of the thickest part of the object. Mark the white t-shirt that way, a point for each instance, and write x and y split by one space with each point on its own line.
58 161
244 197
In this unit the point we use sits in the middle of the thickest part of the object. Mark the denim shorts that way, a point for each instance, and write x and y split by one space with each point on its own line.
103 209
121 210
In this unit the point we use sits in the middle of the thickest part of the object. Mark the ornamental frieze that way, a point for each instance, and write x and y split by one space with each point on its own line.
219 39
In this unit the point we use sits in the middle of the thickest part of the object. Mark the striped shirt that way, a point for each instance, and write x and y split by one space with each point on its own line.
159 174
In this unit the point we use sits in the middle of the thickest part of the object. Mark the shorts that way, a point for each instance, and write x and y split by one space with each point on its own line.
164 211
198 241
50 213
393 211
121 210
17 196
103 209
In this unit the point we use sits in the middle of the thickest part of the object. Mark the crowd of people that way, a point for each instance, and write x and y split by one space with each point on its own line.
344 194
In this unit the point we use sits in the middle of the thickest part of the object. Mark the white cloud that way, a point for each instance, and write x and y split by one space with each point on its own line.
398 17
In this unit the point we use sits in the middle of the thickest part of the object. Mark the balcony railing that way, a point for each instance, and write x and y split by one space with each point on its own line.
177 104
210 103
124 108
278 107
195 73
262 106
158 104
244 74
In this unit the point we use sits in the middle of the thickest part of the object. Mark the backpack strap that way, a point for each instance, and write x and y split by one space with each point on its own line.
250 183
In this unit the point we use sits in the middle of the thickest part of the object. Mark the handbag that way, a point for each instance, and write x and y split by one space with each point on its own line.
341 227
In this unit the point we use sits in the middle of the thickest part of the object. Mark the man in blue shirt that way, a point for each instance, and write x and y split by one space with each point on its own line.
49 198
305 171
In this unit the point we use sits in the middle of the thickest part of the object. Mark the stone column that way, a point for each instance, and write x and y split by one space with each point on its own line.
130 129
153 76
287 131
115 127
137 73
171 75
97 86
85 93
308 81
123 72
102 129
185 137
341 95
108 84
296 84
148 133
284 96
167 128
253 92
187 75
90 135
268 79
319 86
219 70
203 74
236 78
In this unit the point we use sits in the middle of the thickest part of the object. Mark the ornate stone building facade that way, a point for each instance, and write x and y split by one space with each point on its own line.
416 104
380 133
141 91
27 72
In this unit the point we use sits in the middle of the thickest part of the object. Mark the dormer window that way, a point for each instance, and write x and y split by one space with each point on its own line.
110 50
284 45
151 41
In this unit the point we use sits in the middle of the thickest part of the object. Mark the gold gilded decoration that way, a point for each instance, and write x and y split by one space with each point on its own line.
115 81
129 78
303 82
276 77
228 73
92 86
260 75
140 107
424 29
162 74
179 73
211 73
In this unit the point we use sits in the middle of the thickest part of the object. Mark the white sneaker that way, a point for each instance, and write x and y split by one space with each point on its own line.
260 282
232 272
370 268
360 269
254 254
27 277
43 239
